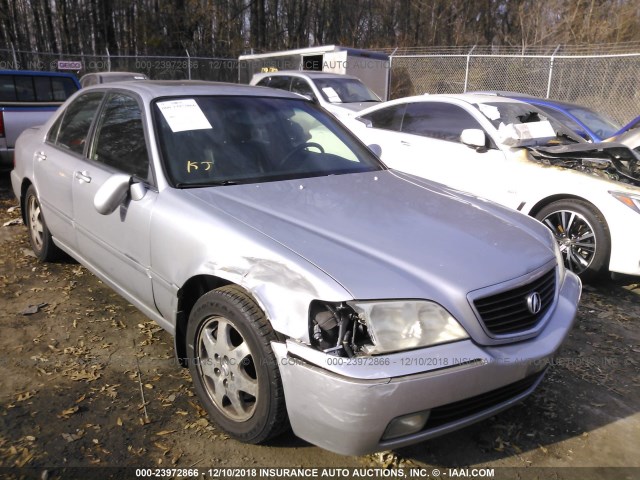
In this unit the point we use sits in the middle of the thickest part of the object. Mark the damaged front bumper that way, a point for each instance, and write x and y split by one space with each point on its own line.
356 406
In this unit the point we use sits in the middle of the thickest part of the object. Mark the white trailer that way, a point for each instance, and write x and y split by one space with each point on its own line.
370 67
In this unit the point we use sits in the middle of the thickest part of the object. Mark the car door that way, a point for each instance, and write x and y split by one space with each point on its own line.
429 146
56 161
117 245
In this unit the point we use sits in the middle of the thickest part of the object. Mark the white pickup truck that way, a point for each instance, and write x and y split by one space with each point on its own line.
28 99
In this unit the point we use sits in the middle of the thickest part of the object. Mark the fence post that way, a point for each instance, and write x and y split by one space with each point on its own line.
108 59
15 60
466 73
188 63
551 70
389 73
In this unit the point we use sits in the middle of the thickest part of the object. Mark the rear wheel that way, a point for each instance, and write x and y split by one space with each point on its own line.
582 234
39 235
234 369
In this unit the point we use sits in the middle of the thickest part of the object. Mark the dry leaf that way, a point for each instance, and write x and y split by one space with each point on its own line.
25 457
72 437
25 396
68 412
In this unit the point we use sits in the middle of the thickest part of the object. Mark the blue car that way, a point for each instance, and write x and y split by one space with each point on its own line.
590 125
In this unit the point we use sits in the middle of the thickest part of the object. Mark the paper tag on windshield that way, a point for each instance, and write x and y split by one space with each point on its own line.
491 112
332 95
183 115
535 130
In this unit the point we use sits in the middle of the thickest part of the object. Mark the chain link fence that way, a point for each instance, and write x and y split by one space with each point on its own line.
603 77
608 83
155 67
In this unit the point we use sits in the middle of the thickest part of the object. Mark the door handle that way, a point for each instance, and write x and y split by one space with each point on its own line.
83 176
40 156
405 143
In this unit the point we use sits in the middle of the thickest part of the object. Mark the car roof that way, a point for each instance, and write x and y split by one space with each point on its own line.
531 98
37 73
151 89
303 73
470 98
114 74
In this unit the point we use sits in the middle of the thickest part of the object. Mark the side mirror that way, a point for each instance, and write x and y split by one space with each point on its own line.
473 137
114 192
366 121
375 149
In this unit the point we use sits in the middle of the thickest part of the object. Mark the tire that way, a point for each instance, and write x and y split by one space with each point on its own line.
582 234
236 376
39 235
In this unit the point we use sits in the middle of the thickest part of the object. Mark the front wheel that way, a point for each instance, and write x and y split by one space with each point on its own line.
234 369
582 234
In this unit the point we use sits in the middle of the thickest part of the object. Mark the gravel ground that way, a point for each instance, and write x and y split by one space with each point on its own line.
88 381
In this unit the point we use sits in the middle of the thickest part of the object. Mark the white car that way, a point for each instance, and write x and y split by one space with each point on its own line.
514 154
339 94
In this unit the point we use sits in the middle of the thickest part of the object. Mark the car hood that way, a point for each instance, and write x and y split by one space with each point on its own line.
388 235
631 138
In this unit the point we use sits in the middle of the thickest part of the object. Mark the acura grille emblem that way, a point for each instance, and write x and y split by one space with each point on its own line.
534 303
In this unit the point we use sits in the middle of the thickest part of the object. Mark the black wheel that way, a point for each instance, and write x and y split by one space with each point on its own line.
39 235
582 234
234 369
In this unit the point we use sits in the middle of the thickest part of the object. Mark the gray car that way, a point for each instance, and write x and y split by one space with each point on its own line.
304 282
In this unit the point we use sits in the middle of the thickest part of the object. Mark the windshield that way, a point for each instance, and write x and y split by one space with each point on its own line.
211 141
601 125
345 90
521 124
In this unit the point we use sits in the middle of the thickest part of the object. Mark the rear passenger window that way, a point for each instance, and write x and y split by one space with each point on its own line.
76 121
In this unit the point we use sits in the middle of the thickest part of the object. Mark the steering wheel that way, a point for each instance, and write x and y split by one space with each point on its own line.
287 159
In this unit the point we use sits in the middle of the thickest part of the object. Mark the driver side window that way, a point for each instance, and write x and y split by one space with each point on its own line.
119 140
300 85
437 120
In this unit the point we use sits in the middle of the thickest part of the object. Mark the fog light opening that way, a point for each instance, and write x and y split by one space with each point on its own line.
406 425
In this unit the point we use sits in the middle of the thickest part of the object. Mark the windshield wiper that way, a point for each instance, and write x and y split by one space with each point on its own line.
207 183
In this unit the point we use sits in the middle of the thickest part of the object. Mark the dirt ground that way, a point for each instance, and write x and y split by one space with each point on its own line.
87 380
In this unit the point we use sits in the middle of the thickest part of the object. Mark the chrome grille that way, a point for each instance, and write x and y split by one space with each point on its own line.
508 313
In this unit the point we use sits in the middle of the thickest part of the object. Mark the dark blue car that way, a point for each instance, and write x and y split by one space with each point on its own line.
590 125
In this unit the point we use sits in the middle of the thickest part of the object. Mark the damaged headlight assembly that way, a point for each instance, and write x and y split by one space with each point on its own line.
381 326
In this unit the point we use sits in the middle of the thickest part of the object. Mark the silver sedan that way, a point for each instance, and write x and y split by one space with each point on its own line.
304 282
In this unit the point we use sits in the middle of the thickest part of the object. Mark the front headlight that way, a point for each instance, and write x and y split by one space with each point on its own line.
406 324
630 200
